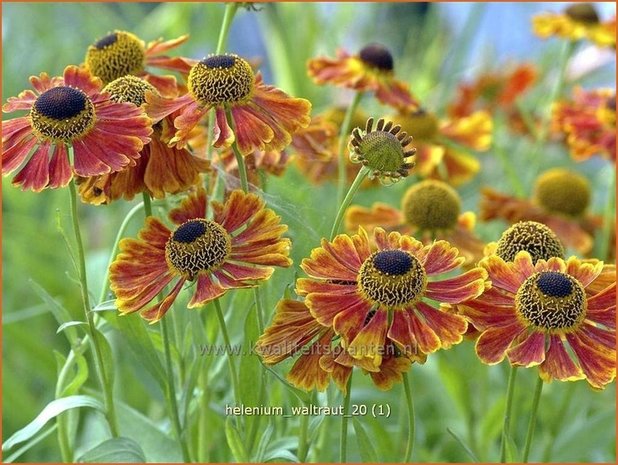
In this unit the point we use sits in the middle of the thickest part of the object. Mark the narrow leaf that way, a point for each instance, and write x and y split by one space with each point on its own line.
365 448
115 450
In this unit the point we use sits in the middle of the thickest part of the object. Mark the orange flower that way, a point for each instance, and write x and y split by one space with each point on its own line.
159 170
588 122
264 117
375 293
536 314
121 53
430 210
69 112
560 201
372 70
579 21
322 358
438 143
237 248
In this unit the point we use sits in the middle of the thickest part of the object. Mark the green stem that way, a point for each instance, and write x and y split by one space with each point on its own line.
506 430
411 424
171 393
360 177
202 443
169 368
110 411
532 424
343 142
240 160
62 420
343 445
112 255
558 419
228 16
228 345
303 445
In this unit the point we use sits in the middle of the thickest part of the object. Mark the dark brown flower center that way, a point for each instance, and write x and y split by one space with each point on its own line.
196 246
62 114
130 89
551 300
583 12
392 278
535 238
221 79
377 56
116 55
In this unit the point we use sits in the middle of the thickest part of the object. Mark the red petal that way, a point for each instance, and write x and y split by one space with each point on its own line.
598 361
205 291
192 207
558 364
59 169
35 173
492 344
449 327
529 352
441 257
158 311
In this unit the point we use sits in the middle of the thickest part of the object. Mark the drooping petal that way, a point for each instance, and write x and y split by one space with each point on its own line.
59 169
13 157
292 328
35 173
369 342
426 338
530 352
448 327
558 364
206 290
466 286
492 344
307 373
391 372
380 214
324 307
158 310
598 362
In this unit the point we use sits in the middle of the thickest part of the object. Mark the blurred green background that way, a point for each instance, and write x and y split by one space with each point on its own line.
435 45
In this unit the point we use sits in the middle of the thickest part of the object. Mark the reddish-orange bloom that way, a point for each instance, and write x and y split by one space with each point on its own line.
429 210
159 170
560 201
374 293
496 90
237 248
121 53
371 70
264 117
588 122
538 315
437 158
69 113
295 331
579 21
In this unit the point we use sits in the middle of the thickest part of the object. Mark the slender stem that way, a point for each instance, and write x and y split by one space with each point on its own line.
506 430
228 345
112 255
228 16
558 419
303 445
343 445
532 424
360 177
171 393
169 368
203 427
240 160
411 424
343 140
110 411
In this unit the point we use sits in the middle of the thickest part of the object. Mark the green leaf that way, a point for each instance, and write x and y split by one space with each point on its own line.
158 445
61 314
80 377
280 455
107 358
365 448
511 449
115 450
235 442
138 338
106 306
265 441
30 444
70 324
463 444
51 410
